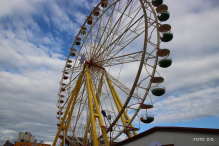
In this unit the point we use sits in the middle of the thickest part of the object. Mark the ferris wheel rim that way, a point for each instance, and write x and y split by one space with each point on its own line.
138 73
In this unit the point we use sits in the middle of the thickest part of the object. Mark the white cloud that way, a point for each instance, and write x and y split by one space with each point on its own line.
46 19
10 7
191 106
30 74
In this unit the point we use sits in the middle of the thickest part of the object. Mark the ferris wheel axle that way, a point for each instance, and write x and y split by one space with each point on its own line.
94 65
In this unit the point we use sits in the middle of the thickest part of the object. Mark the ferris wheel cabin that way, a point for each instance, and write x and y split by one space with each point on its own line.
104 3
158 90
146 118
165 62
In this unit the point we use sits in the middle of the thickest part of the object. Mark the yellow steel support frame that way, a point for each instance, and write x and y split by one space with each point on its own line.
119 106
113 92
98 100
70 104
99 89
86 131
97 114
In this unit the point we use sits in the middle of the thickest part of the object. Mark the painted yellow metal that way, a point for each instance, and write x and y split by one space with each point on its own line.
93 126
121 105
125 113
97 95
86 132
67 109
97 114
62 143
77 88
99 89
114 94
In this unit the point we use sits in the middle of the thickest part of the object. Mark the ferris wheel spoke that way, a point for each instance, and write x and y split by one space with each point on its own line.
129 41
80 117
123 39
121 86
75 69
85 46
109 31
112 29
129 15
115 52
98 33
153 44
118 38
132 39
133 57
105 28
127 25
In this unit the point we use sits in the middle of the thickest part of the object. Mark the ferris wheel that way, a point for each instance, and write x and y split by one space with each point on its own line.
110 72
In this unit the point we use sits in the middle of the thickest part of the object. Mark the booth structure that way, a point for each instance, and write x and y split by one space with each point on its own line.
26 139
174 136
29 144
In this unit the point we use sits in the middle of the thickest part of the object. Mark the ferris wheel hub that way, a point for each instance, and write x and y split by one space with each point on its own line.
91 64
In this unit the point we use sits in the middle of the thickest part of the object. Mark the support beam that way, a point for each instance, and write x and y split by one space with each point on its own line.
96 114
125 113
119 105
77 88
68 107
99 89
86 132
98 99
114 94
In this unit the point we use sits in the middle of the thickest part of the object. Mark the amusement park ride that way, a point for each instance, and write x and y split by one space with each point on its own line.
118 38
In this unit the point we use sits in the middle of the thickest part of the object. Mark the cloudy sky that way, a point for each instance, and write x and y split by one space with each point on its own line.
35 36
